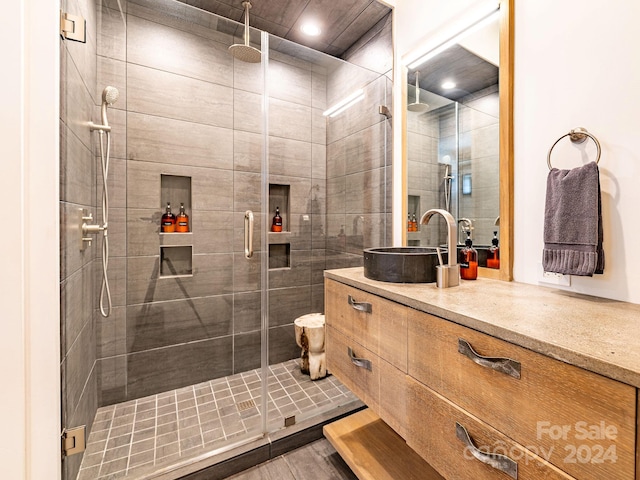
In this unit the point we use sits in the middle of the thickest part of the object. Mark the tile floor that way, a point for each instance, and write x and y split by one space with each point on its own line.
135 436
315 461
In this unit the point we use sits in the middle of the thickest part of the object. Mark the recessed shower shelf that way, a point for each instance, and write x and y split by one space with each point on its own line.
176 261
176 239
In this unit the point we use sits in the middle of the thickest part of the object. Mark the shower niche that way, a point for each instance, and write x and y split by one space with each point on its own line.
176 248
279 242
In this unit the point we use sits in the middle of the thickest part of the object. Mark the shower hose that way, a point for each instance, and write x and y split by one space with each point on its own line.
104 161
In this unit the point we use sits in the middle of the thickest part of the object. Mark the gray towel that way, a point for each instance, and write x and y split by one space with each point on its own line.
573 222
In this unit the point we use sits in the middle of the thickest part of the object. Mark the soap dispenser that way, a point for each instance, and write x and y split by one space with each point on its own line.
468 260
493 259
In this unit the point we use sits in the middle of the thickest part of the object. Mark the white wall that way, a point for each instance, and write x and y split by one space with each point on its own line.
30 340
573 67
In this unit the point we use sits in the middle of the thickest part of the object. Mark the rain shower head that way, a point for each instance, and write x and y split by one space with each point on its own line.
110 96
417 106
244 51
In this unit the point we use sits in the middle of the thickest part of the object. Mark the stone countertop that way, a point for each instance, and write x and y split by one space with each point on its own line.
597 334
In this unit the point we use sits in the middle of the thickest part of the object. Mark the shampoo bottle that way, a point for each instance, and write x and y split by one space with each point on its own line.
168 221
182 222
276 225
468 259
493 259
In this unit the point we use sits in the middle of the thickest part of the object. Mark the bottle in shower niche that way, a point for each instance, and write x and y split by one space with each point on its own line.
182 222
168 221
276 225
414 222
493 259
468 260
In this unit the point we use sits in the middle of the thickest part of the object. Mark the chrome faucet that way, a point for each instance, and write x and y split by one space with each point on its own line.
447 275
468 228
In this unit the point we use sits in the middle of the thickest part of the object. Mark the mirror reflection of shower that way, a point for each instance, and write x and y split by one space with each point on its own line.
110 96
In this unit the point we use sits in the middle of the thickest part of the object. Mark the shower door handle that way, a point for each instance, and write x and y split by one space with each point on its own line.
248 234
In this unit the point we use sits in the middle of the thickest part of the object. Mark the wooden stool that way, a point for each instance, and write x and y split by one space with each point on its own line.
310 337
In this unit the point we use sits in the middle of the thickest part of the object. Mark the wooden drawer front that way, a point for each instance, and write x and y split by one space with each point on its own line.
433 434
376 323
393 397
585 420
360 380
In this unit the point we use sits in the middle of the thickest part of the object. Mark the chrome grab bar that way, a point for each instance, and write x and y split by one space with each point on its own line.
248 234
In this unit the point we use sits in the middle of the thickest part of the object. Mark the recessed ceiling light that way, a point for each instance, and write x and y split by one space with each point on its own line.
310 29
448 85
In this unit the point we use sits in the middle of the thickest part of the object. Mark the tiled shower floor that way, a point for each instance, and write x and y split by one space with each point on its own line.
139 435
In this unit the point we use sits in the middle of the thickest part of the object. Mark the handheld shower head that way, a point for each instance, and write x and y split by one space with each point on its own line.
110 96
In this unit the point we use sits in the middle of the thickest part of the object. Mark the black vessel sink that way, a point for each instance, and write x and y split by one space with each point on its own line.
402 264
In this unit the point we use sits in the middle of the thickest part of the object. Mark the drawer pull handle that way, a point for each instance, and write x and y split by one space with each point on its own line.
504 365
495 460
360 306
358 362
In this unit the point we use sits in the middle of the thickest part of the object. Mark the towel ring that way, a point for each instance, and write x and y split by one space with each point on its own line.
577 135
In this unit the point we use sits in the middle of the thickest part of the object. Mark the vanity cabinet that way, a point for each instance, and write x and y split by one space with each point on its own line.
476 406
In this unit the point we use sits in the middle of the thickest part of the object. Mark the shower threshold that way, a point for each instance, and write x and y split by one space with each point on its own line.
174 433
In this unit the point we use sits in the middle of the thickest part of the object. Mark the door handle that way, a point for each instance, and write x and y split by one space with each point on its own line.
248 234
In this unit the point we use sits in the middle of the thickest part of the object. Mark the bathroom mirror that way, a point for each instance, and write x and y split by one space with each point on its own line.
458 148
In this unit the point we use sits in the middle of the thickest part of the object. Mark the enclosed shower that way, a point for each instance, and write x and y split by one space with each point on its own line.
198 355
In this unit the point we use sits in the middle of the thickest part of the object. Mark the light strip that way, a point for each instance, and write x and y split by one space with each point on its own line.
475 26
345 103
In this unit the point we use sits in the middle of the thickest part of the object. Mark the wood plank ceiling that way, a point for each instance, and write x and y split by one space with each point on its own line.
342 22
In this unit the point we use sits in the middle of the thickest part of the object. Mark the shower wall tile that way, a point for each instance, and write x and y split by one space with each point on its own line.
287 304
76 305
112 72
83 55
246 312
317 297
289 157
176 366
82 415
71 257
290 83
366 149
300 192
298 275
247 111
289 120
318 161
79 108
143 231
246 351
282 343
247 76
177 15
161 324
246 272
143 185
117 275
118 123
336 158
112 380
247 151
319 91
111 333
165 140
164 48
77 368
76 169
212 231
318 127
337 194
366 194
112 34
164 94
238 231
116 182
212 275
246 194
